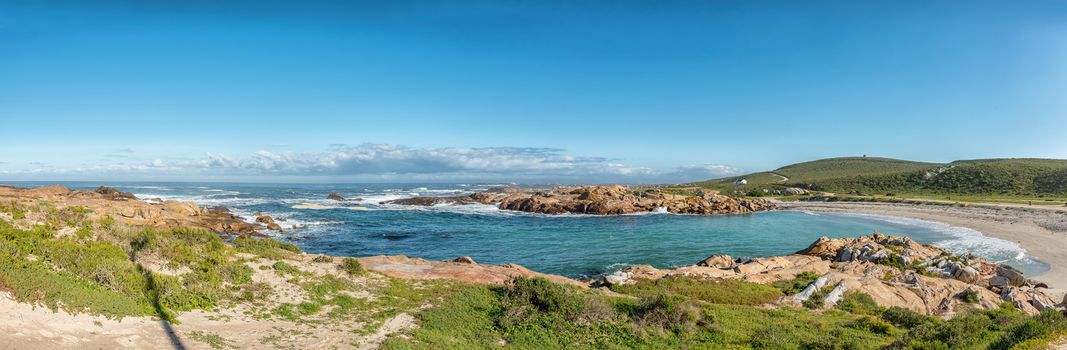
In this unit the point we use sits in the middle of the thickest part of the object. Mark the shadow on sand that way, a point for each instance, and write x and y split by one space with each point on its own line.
153 295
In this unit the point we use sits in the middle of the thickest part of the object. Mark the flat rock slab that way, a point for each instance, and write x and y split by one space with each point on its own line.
400 266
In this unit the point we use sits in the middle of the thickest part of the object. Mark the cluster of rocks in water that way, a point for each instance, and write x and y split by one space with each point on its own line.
600 200
894 271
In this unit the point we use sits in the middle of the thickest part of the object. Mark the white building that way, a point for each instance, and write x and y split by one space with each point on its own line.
740 182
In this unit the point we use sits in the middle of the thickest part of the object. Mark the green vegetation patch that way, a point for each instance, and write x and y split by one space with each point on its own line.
859 303
265 247
733 292
213 340
563 317
352 266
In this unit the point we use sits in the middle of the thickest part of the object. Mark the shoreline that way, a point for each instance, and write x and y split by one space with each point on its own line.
1040 232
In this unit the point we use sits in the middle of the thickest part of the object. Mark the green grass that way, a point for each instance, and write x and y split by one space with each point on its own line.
215 341
481 317
265 247
733 292
859 303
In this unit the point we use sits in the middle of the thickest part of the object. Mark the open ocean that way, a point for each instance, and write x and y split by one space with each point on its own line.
570 245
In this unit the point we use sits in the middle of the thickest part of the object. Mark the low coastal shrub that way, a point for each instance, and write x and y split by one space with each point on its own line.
1002 328
265 247
904 317
352 266
872 324
969 296
733 292
14 209
797 284
283 267
665 311
817 298
525 298
859 303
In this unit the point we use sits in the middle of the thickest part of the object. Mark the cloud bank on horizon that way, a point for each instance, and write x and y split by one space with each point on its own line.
380 162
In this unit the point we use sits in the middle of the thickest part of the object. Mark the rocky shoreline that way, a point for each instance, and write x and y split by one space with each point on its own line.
127 209
599 200
894 271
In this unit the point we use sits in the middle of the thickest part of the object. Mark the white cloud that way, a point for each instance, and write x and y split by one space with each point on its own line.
398 162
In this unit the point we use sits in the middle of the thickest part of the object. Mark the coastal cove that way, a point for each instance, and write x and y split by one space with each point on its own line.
576 246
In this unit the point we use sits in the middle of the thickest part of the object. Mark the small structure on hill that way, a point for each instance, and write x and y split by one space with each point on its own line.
740 182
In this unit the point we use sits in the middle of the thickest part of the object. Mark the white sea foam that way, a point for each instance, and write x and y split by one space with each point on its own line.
205 200
160 188
963 240
378 198
318 206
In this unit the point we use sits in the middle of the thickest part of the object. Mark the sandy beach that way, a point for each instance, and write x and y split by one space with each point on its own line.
1042 231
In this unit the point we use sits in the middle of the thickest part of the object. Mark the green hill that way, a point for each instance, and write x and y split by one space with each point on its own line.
1017 177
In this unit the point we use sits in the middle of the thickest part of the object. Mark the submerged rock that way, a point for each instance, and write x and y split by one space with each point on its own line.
269 221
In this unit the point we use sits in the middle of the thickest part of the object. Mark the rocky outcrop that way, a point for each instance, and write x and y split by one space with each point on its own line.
600 200
336 196
125 208
400 266
898 271
894 271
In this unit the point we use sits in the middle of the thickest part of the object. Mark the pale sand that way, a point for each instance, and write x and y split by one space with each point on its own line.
1041 230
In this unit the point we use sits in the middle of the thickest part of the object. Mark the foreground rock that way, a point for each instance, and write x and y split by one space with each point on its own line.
125 208
400 266
600 200
894 271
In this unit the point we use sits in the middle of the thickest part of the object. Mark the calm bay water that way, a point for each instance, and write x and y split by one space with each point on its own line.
571 245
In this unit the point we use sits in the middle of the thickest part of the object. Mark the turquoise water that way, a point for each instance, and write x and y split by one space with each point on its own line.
571 245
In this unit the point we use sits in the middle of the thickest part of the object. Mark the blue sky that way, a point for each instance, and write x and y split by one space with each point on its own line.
523 91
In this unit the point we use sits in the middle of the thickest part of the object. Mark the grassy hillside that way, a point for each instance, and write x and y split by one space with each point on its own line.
1014 178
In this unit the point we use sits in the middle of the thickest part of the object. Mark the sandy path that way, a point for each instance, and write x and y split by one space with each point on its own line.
1041 231
781 178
